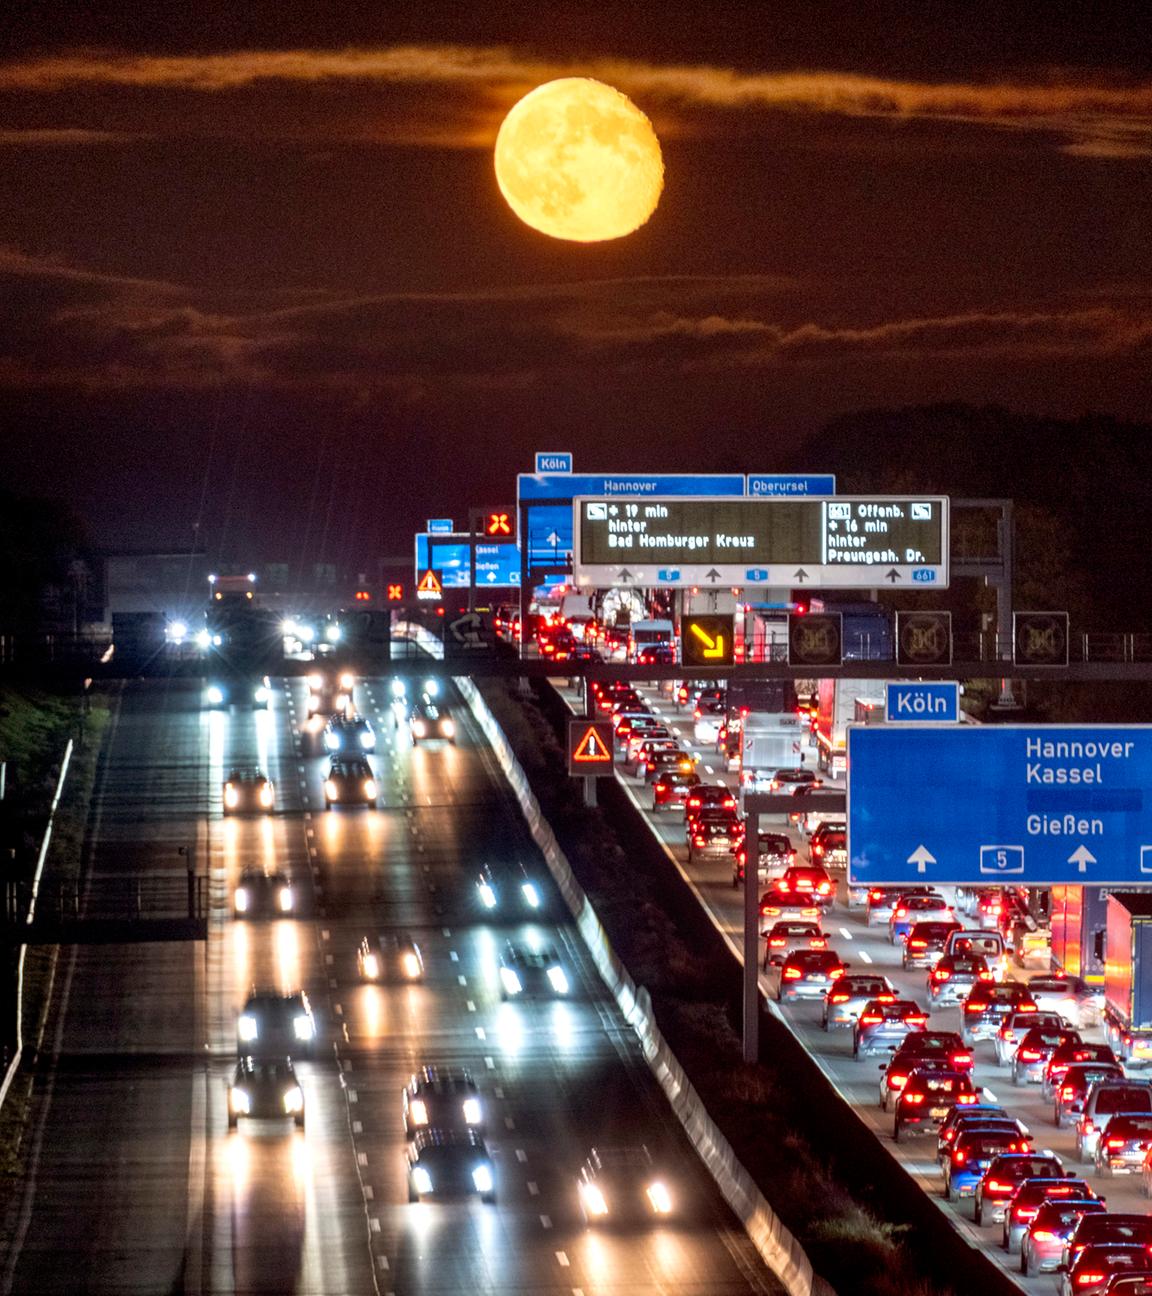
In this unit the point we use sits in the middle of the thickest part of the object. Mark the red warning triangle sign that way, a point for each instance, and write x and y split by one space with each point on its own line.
429 586
591 749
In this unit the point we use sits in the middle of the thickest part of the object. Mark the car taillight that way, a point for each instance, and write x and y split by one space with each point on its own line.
839 998
916 1019
1115 1143
901 912
818 942
1089 1128
1030 1055
897 1081
885 998
974 1007
875 895
1025 1212
961 1059
661 787
1044 1235
914 1099
765 909
776 940
1086 1278
837 973
985 976
791 974
699 841
1026 1007
959 1156
869 1019
917 944
966 1099
1067 1093
995 1186
941 974
817 849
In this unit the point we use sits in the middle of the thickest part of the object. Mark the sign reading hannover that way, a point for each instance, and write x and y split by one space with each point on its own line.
1028 805
887 542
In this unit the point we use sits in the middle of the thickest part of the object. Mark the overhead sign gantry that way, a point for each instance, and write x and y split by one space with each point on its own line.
838 542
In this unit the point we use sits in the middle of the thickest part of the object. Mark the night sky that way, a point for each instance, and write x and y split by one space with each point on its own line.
256 273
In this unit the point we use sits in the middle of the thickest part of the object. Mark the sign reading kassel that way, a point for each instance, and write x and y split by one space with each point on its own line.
871 541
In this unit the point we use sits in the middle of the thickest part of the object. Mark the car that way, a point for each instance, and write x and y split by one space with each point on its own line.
659 763
846 1000
348 734
911 909
953 976
449 1163
265 1088
884 1023
248 788
972 1152
1070 1055
1013 1029
1090 1272
525 970
493 895
673 787
329 693
777 855
1136 1283
927 1097
1123 1144
429 720
988 1003
924 945
1042 1246
784 937
1113 1227
557 643
1107 1098
442 1098
882 900
628 723
828 845
622 1185
973 1116
709 796
1030 1060
803 882
989 944
711 837
656 654
263 895
394 956
942 1047
807 974
1073 998
774 908
641 738
349 781
222 693
1075 1085
785 780
707 720
1024 1204
1004 1175
272 1024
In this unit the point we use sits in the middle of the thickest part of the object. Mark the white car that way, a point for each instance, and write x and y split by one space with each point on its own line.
1075 1001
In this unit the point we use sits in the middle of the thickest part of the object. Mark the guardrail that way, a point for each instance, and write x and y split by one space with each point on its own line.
781 1252
14 1064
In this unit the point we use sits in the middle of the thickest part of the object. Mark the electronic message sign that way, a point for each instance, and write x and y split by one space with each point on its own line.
839 541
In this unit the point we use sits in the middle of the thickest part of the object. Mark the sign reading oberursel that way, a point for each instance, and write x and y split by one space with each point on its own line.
870 541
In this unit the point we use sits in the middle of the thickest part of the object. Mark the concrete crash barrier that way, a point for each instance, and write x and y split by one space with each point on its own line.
777 1247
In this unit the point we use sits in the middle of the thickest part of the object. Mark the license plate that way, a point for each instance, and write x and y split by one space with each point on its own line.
938 1113
817 977
1143 1047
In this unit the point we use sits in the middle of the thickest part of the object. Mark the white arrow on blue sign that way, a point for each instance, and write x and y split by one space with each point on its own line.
1033 805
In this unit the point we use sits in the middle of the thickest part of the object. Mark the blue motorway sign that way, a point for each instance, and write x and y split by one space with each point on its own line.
923 702
553 461
781 484
1027 805
497 564
440 526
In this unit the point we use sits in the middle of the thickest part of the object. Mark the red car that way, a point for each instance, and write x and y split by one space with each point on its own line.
673 787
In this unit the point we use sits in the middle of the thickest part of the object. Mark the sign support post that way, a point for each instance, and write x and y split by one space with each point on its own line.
752 936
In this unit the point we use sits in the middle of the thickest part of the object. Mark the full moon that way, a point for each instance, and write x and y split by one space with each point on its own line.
578 160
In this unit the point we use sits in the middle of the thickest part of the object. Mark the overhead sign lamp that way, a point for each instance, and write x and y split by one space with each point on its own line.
395 593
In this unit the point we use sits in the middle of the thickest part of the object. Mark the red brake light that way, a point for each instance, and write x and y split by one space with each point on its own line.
941 974
1044 1235
837 973
1115 1143
916 1019
1086 1279
897 1081
994 1185
966 1099
818 849
885 998
917 944
901 912
1030 1055
699 841
974 1007
1067 1092
961 1059
838 998
818 942
959 1157
869 1019
914 1099
791 974
1026 1212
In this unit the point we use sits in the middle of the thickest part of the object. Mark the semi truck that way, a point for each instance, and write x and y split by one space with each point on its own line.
1128 976
753 704
843 702
1079 917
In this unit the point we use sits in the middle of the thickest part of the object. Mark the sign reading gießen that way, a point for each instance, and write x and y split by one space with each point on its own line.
877 542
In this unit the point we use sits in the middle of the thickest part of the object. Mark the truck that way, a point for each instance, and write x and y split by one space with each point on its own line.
647 634
1128 976
768 743
576 611
842 702
762 707
1079 917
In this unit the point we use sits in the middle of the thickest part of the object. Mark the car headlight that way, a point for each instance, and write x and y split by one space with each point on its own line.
432 687
341 703
473 1114
660 1198
482 1178
370 789
332 633
316 680
411 965
214 694
177 631
593 1198
417 1112
368 739
217 640
371 965
285 899
241 900
246 1027
302 1025
558 979
260 693
239 1100
488 895
288 628
331 791
203 639
313 703
306 634
530 894
231 796
511 981
419 728
347 680
294 1099
267 794
421 1180
398 689
448 727
331 740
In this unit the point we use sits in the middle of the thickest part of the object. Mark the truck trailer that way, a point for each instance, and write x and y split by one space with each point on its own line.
1128 975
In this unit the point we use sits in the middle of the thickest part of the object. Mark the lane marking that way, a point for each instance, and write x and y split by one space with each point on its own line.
382 1261
325 934
461 980
509 1122
533 1188
490 1063
866 956
357 1127
845 933
498 1091
338 1009
562 1259
471 1005
369 1195
481 1033
373 1223
709 769
454 956
353 1096
362 1158
521 1155
546 1221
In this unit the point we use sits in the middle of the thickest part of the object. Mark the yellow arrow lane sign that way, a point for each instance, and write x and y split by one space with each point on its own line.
713 647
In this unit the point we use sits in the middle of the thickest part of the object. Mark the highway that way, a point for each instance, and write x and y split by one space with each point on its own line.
132 1181
866 949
